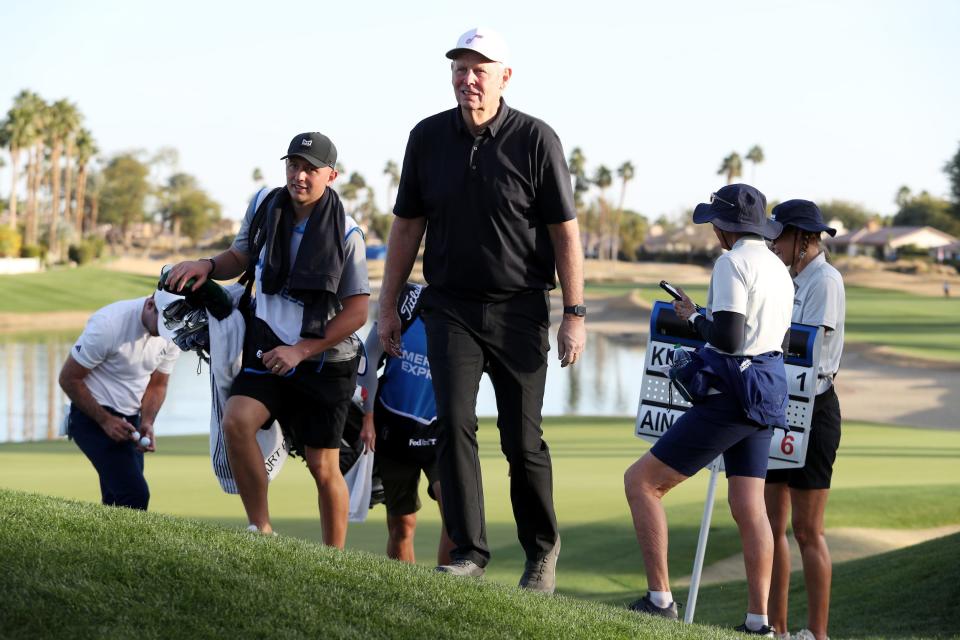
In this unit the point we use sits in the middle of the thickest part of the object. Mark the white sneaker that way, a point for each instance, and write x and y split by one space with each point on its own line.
255 529
782 636
806 634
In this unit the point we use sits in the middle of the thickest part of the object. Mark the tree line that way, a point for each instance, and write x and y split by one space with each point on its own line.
62 192
63 195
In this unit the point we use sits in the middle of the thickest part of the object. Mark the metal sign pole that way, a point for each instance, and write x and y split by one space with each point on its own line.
702 542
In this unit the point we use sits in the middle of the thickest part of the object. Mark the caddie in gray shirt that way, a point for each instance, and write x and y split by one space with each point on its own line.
819 300
300 353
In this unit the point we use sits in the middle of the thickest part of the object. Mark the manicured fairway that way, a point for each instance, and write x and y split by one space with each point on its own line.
886 477
919 326
81 289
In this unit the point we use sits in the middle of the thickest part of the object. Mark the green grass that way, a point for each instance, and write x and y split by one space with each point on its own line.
917 326
886 477
73 570
81 289
911 592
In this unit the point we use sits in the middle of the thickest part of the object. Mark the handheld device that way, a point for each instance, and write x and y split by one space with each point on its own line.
672 290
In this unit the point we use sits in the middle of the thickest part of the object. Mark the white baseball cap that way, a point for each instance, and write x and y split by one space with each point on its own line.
163 299
486 42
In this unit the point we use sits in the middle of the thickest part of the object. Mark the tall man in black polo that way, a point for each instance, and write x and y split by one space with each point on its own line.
490 187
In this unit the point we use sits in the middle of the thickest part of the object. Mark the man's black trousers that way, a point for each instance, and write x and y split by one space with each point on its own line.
508 340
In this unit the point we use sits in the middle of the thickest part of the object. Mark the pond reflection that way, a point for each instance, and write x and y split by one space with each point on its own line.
29 390
605 382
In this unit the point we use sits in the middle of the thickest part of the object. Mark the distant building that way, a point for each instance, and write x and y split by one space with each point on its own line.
693 243
885 243
948 253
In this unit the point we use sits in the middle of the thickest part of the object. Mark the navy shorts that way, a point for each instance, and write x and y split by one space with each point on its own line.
817 471
717 425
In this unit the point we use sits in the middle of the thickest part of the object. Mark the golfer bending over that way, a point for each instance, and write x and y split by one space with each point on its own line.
742 393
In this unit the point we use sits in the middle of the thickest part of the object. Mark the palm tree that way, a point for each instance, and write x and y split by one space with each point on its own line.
17 133
63 120
38 111
94 187
352 189
626 173
755 156
603 178
578 171
8 140
68 188
86 149
903 196
732 167
22 129
392 171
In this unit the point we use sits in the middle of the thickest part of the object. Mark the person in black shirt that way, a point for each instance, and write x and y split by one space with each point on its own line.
490 187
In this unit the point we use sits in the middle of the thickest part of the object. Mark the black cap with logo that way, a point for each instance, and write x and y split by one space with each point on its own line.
315 148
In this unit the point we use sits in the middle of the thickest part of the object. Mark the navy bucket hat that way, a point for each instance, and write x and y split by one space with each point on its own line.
738 208
801 214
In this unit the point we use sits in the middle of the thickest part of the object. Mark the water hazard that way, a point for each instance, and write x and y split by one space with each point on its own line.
606 382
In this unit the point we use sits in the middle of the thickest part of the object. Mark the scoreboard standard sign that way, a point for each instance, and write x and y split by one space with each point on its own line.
661 404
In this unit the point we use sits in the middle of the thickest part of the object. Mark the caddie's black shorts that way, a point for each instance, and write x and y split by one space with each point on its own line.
310 403
821 450
401 483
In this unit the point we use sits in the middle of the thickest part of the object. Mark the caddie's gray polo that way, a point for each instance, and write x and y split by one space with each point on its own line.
820 301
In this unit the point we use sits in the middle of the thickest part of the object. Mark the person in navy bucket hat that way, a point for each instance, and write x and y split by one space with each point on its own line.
801 214
738 208
800 495
744 325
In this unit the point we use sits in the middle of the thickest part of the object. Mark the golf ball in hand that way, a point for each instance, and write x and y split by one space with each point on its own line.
135 435
145 441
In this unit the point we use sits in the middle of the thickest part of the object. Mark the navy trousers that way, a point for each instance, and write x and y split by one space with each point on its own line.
119 464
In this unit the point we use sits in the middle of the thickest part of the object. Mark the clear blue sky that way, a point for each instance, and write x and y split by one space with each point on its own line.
849 99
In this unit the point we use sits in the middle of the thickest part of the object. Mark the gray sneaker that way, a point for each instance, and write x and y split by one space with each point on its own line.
540 576
463 568
645 605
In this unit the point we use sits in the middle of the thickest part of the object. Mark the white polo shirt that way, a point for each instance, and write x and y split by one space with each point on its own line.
121 355
820 301
750 280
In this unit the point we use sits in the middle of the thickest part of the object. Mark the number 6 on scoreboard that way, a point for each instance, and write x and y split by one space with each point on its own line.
786 445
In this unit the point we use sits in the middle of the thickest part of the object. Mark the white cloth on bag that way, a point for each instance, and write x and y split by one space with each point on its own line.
226 355
360 485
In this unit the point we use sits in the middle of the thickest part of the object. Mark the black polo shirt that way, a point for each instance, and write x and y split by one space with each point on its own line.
488 201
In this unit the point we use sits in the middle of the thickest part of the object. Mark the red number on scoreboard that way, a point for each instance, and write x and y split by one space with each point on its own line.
786 445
